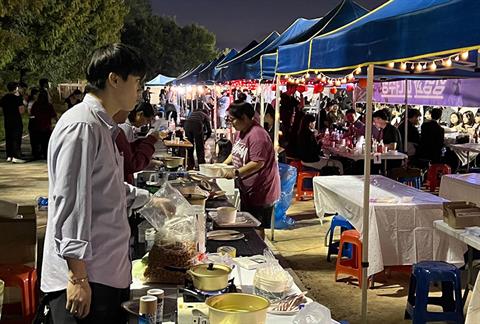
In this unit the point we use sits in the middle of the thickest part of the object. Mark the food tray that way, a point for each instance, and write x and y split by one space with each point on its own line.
244 219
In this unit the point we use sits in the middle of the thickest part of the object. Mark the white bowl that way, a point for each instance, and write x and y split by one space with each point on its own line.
226 215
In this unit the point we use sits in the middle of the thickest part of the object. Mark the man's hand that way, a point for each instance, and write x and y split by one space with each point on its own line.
229 173
79 297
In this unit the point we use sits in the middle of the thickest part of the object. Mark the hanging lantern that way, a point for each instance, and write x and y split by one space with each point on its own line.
318 88
333 90
274 87
362 83
338 83
301 88
350 87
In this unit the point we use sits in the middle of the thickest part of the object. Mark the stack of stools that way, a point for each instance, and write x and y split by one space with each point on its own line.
344 224
423 274
350 266
25 278
304 176
435 172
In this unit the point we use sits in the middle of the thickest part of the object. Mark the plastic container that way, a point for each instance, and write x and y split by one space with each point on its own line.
149 238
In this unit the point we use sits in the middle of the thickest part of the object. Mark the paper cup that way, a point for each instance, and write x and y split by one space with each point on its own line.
226 215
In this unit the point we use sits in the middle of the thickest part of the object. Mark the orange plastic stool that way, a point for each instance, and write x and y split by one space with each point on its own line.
297 164
302 191
25 278
351 267
435 172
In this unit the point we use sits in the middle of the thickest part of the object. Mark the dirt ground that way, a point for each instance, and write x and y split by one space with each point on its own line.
302 247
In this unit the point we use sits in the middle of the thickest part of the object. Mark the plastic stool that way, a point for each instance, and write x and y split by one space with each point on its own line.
297 164
350 266
25 278
451 301
344 224
415 182
435 172
305 190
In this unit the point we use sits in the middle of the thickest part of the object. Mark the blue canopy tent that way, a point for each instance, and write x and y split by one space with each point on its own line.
159 80
345 12
398 31
233 69
206 74
191 77
230 55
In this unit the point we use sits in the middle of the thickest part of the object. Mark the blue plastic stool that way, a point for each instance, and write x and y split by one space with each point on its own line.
415 182
344 224
423 273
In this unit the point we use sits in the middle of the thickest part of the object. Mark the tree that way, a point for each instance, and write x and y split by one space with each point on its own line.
168 48
57 38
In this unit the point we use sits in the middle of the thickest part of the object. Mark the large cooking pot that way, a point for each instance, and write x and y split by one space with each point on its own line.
207 277
173 162
210 277
236 308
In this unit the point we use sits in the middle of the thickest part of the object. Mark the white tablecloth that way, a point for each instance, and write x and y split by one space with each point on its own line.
467 152
401 232
461 187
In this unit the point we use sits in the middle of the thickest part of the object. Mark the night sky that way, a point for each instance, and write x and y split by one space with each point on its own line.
237 22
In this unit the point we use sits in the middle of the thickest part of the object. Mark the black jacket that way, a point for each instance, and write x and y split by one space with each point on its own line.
431 142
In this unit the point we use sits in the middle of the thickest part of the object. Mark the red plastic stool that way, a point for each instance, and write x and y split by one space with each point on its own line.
302 191
435 172
353 266
297 164
25 278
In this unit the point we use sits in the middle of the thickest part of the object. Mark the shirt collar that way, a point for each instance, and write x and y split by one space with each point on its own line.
101 113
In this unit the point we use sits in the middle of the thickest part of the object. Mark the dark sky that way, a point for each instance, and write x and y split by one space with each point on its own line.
237 22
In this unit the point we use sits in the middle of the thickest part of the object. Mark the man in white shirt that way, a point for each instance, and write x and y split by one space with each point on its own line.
86 269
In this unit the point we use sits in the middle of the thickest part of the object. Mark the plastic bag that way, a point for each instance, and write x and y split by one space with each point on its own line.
175 241
271 281
288 178
313 313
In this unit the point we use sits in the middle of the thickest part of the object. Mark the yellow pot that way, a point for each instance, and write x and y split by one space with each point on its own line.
236 308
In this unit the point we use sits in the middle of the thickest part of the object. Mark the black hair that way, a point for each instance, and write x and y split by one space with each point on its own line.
33 93
412 112
240 108
436 113
241 96
117 58
42 98
477 114
305 124
351 111
143 107
77 92
470 116
459 118
43 83
22 85
382 114
11 86
270 111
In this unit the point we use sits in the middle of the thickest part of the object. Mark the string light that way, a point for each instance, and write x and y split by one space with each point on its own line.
343 81
432 66
358 70
403 66
419 67
464 56
391 65
350 77
323 79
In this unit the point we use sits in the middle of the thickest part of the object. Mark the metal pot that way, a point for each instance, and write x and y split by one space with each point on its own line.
236 308
210 277
173 161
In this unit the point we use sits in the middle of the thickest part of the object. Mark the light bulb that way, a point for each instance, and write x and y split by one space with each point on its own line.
338 83
330 82
343 81
448 63
433 66
391 65
457 58
319 76
464 55
358 70
403 66
324 79
350 77
413 66
419 68
307 75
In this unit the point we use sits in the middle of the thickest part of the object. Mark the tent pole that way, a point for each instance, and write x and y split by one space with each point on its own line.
262 105
276 132
405 143
366 192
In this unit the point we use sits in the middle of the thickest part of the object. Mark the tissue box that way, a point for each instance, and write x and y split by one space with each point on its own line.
460 214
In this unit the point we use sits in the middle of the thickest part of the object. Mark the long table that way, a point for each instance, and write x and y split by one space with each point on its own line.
400 219
461 187
473 242
466 152
243 279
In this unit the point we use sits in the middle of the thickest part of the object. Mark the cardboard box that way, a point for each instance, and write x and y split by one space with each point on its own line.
460 214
